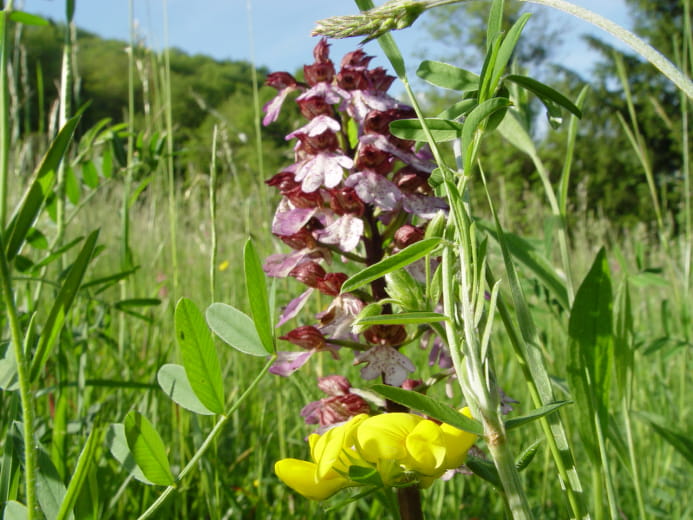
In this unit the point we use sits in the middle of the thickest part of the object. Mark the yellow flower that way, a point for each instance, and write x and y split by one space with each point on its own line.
332 455
457 442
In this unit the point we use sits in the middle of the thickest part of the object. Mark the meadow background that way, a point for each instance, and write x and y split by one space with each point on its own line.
168 162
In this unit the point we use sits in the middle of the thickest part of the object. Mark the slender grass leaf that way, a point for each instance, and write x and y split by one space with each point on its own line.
506 50
90 175
534 415
9 464
118 446
79 476
199 355
590 331
495 22
404 318
256 285
50 490
39 189
15 511
544 93
8 371
72 189
526 253
62 304
680 441
624 331
147 448
441 129
447 76
429 406
27 18
401 259
137 302
110 280
52 257
235 328
174 382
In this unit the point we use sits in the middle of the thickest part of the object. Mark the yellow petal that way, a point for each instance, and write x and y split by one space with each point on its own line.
301 476
426 448
457 442
384 436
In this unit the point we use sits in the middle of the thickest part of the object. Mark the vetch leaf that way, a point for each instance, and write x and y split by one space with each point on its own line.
544 92
447 76
401 259
50 490
174 382
235 328
147 448
256 284
680 441
506 49
484 469
527 455
476 119
534 414
27 18
118 446
15 511
429 406
84 462
199 355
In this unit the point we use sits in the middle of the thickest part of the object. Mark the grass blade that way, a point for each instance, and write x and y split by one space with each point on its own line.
256 285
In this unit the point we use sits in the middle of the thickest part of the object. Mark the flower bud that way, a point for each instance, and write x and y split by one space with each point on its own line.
407 235
310 273
341 408
331 283
390 335
345 201
306 336
436 227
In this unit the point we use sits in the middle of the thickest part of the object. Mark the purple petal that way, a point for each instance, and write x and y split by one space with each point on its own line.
294 307
382 143
424 206
326 167
345 232
280 265
373 188
290 222
288 362
274 106
383 359
316 126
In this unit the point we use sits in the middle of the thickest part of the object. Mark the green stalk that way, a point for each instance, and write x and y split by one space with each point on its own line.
209 440
27 400
213 217
605 470
4 114
172 213
634 464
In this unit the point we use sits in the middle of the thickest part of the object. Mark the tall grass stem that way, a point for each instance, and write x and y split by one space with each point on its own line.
4 114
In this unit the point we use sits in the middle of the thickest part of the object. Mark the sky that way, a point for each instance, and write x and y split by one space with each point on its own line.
276 33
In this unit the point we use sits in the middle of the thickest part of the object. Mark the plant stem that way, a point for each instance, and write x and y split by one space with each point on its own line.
4 114
221 422
24 383
409 500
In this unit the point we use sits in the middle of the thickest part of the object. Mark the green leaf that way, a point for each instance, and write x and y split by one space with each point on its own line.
147 449
484 469
590 331
527 455
403 318
401 259
84 463
447 76
118 446
90 175
544 93
235 328
256 285
475 121
527 254
174 382
39 189
365 476
429 406
534 415
680 441
27 18
441 129
199 355
506 50
459 109
495 22
50 490
61 306
72 189
15 511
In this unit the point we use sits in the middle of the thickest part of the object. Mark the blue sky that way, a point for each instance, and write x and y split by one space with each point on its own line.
278 29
